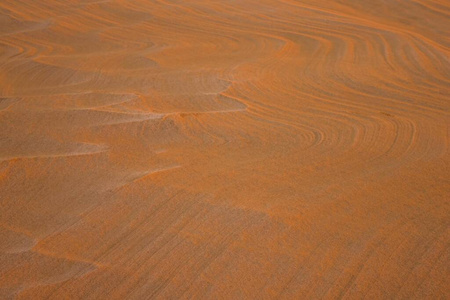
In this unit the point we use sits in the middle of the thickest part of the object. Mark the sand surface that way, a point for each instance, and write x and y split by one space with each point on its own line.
211 149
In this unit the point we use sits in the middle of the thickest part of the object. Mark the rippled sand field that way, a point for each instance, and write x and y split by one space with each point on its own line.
206 149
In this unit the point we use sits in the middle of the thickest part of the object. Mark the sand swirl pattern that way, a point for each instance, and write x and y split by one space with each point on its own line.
206 149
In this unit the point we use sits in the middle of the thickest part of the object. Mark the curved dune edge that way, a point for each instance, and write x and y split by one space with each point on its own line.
224 149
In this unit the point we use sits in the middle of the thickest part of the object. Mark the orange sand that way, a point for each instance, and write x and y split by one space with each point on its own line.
252 149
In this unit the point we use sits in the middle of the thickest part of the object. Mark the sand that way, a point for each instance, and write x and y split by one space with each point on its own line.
207 149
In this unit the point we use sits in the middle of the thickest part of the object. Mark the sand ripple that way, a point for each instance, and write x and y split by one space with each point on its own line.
224 149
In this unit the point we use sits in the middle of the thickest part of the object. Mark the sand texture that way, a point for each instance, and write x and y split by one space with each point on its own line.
224 149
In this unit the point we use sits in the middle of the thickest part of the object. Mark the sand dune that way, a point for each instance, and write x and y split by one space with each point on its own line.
292 149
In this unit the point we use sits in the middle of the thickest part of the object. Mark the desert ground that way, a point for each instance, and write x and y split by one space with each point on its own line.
224 149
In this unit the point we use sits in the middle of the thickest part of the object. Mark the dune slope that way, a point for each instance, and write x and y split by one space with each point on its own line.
254 149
